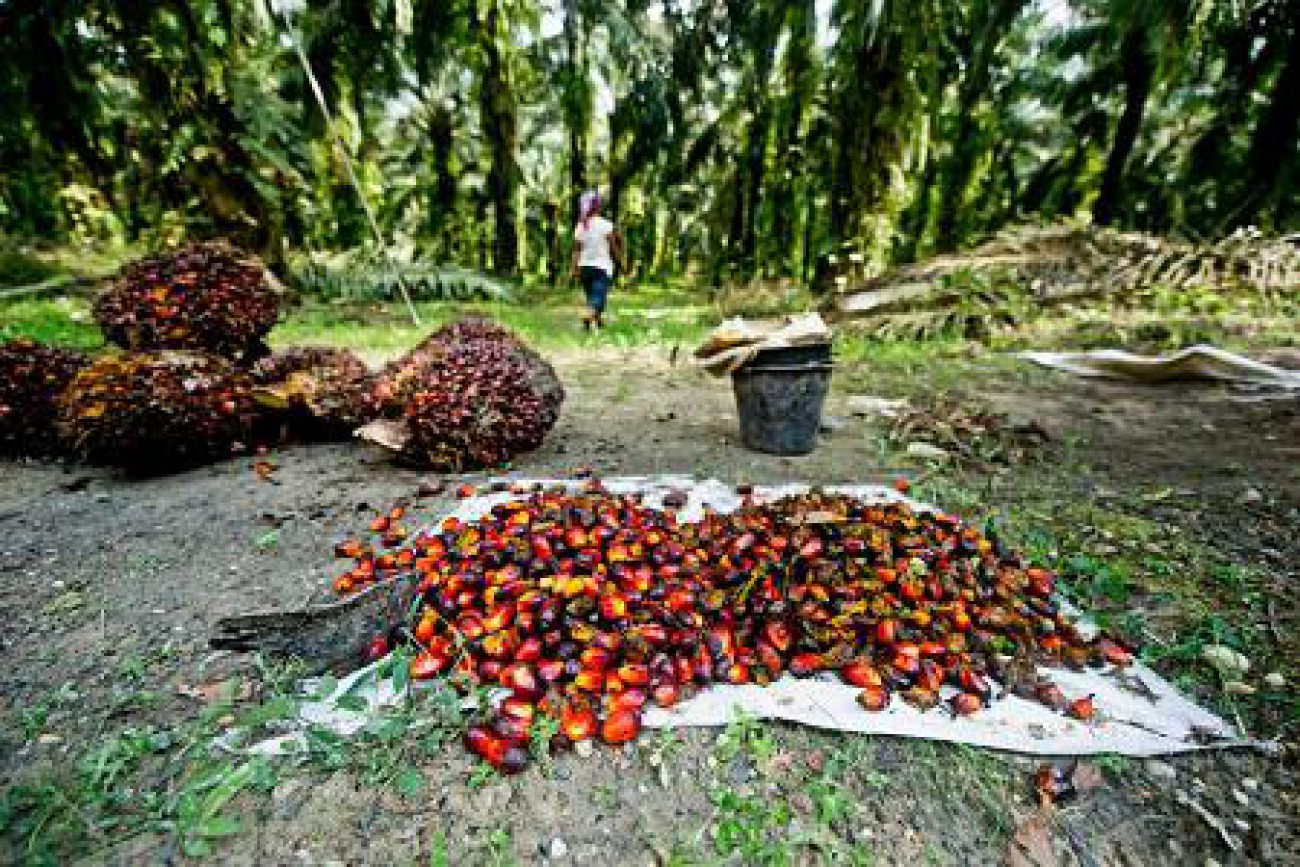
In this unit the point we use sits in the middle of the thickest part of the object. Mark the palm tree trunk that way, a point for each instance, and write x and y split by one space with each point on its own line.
1271 155
1138 73
965 144
497 108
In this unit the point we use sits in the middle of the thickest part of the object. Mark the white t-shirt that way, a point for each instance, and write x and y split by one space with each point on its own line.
593 242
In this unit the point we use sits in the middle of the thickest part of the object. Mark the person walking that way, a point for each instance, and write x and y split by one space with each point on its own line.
597 246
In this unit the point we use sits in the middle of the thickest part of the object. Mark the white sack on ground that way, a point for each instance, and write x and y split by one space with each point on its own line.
1138 712
1193 363
736 341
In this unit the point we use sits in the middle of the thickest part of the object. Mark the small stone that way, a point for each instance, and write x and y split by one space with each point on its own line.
1237 687
1242 825
1210 862
558 848
1251 495
1275 680
1250 784
1161 770
831 424
48 739
584 749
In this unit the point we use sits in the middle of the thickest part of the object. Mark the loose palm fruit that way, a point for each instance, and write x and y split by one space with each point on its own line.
1081 708
874 698
620 727
577 721
965 703
861 673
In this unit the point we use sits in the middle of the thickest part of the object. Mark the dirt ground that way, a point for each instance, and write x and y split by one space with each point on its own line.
108 588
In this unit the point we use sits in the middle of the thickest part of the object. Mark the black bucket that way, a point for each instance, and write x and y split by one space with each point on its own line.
779 397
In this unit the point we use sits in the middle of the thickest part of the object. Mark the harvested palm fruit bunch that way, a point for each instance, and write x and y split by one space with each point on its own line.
32 378
588 606
156 412
207 296
324 392
470 396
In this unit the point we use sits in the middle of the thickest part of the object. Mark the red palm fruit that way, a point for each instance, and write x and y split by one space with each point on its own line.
739 673
427 665
965 703
811 549
379 525
887 631
912 590
930 676
513 760
1051 644
1113 653
778 635
1082 708
1041 582
683 669
933 648
874 698
770 659
595 658
628 699
961 621
653 633
521 679
1050 694
666 694
577 721
589 680
680 601
529 650
614 683
805 664
519 708
620 727
512 729
902 485
377 648
702 664
490 669
613 607
861 673
550 670
906 664
481 741
425 630
497 645
634 674
886 575
974 682
920 698
575 538
499 618
470 625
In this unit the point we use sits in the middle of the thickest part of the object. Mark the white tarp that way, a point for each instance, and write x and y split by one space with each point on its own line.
1194 362
1138 712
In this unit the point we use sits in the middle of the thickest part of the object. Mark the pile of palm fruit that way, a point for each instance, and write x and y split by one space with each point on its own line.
192 380
588 606
322 392
470 396
32 377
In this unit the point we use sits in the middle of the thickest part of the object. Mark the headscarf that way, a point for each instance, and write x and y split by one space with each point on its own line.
588 205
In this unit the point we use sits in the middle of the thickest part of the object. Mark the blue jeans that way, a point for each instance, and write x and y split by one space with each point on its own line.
595 284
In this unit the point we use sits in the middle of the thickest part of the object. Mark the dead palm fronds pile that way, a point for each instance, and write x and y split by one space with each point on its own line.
1026 268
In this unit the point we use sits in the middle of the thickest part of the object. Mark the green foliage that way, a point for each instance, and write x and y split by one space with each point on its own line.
733 141
364 275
